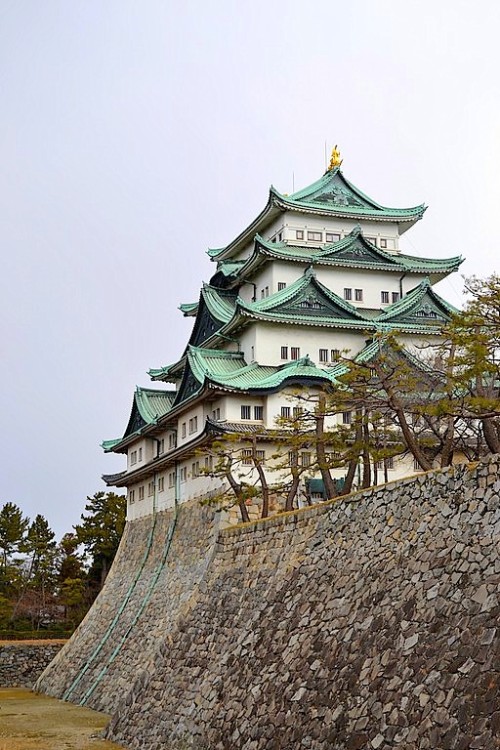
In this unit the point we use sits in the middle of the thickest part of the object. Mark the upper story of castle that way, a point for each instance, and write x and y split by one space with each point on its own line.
320 214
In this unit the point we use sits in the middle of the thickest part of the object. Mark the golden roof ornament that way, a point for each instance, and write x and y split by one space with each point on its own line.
335 160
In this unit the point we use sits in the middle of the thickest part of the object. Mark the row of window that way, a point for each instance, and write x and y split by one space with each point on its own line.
329 355
358 296
294 352
287 412
348 295
246 412
248 458
192 425
316 236
135 456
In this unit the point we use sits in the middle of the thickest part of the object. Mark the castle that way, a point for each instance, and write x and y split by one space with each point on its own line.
316 273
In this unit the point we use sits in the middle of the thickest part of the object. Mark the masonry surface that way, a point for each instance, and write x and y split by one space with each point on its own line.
368 622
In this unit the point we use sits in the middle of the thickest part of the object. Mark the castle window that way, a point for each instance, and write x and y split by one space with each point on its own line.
258 412
246 457
195 469
323 355
140 455
281 285
172 442
216 414
151 489
246 412
384 298
383 243
285 412
395 296
284 352
315 236
295 352
131 496
184 474
183 430
161 447
332 237
373 240
209 463
347 293
141 492
389 463
305 458
193 425
358 295
161 484
133 458
346 417
171 479
299 234
335 354
297 411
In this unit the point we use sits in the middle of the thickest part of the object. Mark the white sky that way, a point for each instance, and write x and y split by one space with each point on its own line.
134 135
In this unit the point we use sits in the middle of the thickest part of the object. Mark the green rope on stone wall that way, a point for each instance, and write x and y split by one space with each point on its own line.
138 614
115 619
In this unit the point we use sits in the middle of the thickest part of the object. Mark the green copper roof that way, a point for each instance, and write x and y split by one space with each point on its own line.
379 346
353 251
332 195
336 194
305 301
229 371
420 306
108 445
148 406
189 309
219 302
153 403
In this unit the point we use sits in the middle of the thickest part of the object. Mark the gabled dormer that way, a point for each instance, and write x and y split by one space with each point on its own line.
421 307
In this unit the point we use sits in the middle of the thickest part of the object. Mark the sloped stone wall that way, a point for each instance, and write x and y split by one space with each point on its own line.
21 663
152 579
370 622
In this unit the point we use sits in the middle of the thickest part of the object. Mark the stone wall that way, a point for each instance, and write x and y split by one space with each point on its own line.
21 663
369 622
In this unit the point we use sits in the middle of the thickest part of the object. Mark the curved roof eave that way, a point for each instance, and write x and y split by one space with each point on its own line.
268 213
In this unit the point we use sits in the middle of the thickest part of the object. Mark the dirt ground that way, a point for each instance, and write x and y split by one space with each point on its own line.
36 722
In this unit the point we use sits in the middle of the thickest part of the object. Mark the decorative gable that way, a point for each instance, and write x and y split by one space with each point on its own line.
422 307
305 298
356 248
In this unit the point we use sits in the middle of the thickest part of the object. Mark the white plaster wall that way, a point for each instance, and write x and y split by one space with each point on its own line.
248 344
148 448
376 229
233 407
336 279
197 411
270 339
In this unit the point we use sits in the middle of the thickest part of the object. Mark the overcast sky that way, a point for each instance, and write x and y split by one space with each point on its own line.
135 135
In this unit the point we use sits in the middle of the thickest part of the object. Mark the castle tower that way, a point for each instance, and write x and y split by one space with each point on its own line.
316 273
